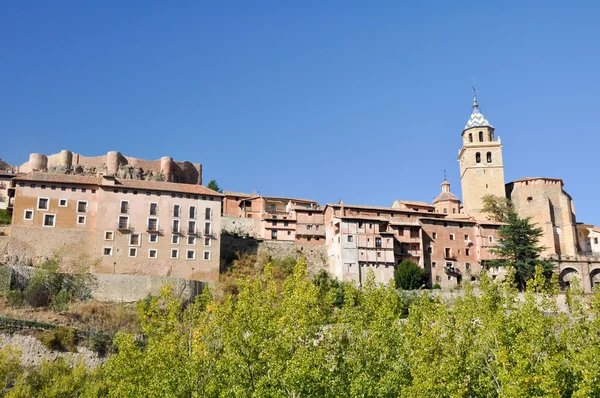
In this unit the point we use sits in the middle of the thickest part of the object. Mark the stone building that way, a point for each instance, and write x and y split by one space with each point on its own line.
116 225
115 164
278 218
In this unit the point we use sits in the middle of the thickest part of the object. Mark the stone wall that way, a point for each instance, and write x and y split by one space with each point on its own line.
316 256
121 288
240 226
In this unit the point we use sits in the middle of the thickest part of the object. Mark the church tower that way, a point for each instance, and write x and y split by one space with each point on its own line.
481 167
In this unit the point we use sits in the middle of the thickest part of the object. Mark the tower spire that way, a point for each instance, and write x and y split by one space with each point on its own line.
475 104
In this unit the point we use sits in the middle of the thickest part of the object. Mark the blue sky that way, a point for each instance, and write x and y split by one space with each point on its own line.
363 101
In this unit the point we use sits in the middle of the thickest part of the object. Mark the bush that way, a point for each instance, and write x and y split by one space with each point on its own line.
14 298
62 338
329 286
409 276
5 219
436 286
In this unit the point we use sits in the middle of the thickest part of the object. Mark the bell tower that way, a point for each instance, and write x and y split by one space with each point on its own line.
481 167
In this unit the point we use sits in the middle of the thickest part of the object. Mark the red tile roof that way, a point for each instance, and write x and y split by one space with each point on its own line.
118 183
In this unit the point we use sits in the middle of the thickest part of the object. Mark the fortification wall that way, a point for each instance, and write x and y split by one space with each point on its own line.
240 226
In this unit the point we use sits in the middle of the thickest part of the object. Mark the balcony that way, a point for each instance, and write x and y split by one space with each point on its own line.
124 227
177 231
451 270
193 231
154 229
277 212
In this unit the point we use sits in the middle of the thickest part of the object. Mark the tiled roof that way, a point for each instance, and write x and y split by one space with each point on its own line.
283 198
537 178
477 120
366 207
243 194
446 197
414 203
121 183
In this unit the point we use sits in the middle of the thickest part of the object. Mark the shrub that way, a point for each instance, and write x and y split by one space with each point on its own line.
409 276
37 293
436 286
62 338
14 298
5 219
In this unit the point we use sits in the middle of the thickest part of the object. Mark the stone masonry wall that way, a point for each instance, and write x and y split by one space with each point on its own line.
240 226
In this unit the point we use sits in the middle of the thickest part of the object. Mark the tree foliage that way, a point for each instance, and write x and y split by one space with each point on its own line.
519 241
288 341
5 219
214 186
409 276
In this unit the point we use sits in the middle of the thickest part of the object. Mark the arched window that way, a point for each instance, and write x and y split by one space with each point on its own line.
477 157
470 137
481 136
489 157
490 136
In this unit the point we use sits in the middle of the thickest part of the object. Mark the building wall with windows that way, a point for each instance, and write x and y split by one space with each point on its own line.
119 226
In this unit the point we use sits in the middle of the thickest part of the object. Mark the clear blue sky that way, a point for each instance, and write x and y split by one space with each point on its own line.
363 101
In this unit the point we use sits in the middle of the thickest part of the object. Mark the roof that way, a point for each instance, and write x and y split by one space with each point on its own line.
133 184
477 119
233 193
446 197
537 178
391 209
282 198
414 203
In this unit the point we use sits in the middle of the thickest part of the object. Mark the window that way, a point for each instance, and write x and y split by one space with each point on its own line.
191 240
206 255
274 234
82 206
153 238
192 227
433 264
43 203
285 223
63 203
445 211
175 239
134 239
107 251
470 137
451 236
377 242
491 238
489 157
176 211
490 136
109 235
208 241
530 199
370 225
123 222
133 252
350 238
208 214
174 253
477 157
378 254
28 215
429 249
360 224
81 220
434 235
481 136
467 252
447 252
595 241
274 223
153 209
466 237
49 220
192 211
190 254
176 226
152 224
152 253
207 228
467 266
309 227
124 207
438 278
317 227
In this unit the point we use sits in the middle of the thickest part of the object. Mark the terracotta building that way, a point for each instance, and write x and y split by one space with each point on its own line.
118 225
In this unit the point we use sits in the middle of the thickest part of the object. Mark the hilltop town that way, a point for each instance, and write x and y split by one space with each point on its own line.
142 217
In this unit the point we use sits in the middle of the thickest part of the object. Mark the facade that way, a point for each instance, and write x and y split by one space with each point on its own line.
481 166
118 226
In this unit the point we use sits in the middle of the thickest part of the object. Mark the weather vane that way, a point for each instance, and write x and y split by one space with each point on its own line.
444 174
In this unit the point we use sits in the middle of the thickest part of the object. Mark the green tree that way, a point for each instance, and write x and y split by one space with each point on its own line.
5 219
519 241
409 276
214 186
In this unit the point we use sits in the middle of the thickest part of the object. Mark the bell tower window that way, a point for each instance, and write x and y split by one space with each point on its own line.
477 157
481 136
470 137
489 157
490 136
